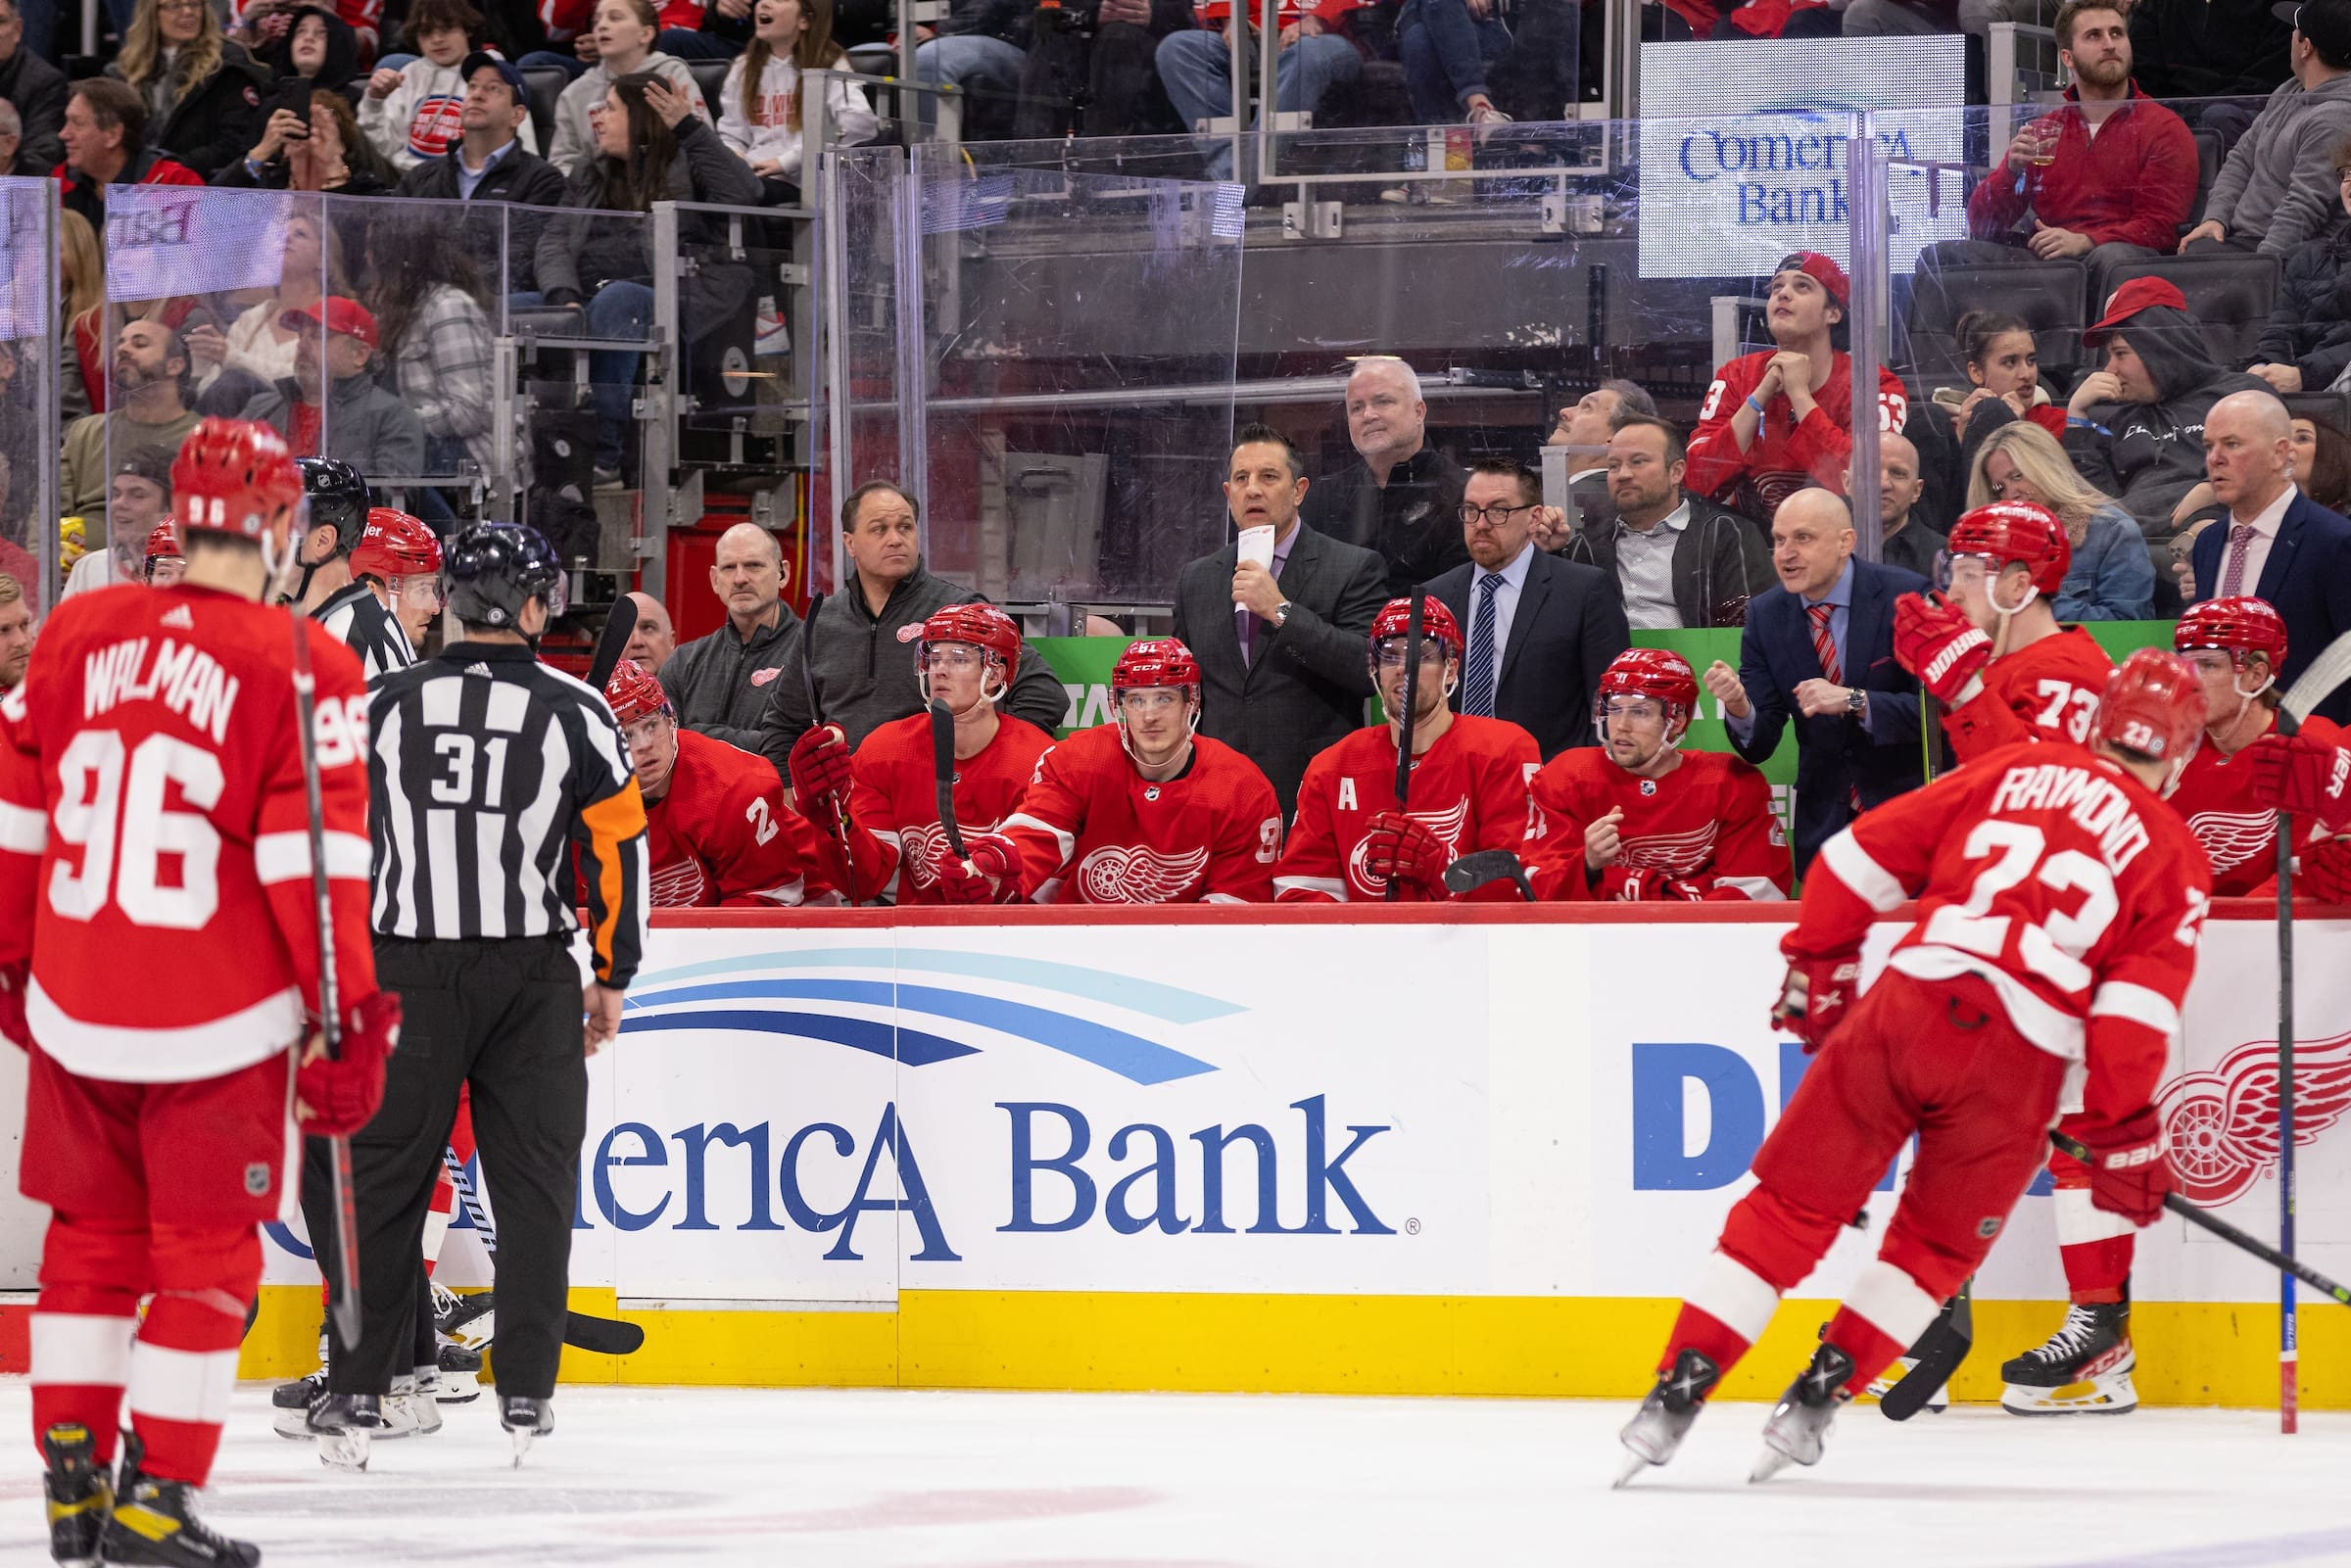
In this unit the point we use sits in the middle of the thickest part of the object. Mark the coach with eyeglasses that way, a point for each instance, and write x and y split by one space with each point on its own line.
1539 628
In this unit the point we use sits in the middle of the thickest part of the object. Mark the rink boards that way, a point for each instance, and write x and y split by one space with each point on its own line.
1282 1150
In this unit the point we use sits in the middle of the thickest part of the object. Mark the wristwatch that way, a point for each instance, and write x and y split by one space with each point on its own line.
1856 702
1282 613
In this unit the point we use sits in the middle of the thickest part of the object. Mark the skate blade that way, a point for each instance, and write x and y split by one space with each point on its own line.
342 1450
2098 1397
293 1424
523 1438
1770 1462
1634 1464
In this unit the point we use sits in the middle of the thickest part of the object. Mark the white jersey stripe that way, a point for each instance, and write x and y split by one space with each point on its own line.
124 1054
22 830
190 1385
1870 881
2120 999
285 857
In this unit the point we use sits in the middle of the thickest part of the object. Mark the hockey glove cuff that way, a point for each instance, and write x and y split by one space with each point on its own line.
2323 871
2304 775
1814 997
336 1098
1404 848
2130 1167
14 978
1935 642
819 766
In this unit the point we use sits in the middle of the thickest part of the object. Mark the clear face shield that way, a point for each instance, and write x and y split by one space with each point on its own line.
1388 669
949 669
1635 729
1970 580
1155 721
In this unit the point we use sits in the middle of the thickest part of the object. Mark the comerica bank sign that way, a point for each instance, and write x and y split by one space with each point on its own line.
1744 148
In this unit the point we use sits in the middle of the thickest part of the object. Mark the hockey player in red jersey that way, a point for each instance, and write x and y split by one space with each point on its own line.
2059 906
1991 652
1637 817
1469 780
717 830
398 559
1781 418
1137 811
163 565
152 822
966 656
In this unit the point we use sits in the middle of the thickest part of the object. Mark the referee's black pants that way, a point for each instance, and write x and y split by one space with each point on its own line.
504 1018
318 1218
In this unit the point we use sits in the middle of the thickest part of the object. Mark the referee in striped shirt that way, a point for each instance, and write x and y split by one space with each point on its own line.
485 771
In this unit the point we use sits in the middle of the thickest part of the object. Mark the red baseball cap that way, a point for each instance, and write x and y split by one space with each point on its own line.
1822 270
2128 301
337 315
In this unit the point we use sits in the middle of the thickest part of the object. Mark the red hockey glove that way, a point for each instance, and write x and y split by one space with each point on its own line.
2130 1167
819 766
1815 995
1935 642
1649 887
2323 871
14 977
1403 847
335 1099
2302 775
988 873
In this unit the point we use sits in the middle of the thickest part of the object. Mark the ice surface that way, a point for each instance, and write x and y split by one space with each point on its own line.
876 1479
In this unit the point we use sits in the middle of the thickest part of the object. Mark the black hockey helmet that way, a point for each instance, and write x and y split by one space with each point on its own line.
339 499
490 570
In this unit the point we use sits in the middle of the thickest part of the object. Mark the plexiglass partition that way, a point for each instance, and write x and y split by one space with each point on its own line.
31 361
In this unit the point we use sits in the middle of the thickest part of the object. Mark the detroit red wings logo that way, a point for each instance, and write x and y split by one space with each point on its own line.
1446 824
2231 837
1674 854
1118 873
677 885
2223 1123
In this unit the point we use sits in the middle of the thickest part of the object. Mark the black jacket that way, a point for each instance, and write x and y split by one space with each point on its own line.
2307 579
2150 454
1412 522
342 60
521 177
1719 563
216 121
38 91
2209 48
1568 625
2310 328
577 255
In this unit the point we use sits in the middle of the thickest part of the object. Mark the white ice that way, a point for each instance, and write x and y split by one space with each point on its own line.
877 1479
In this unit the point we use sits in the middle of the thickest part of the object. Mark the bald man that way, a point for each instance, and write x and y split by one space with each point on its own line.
1905 538
1401 497
719 684
1854 709
2275 541
653 639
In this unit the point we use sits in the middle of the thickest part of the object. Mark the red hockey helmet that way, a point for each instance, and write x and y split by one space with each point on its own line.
979 626
1395 619
1654 673
1152 662
2016 532
634 693
2155 706
234 476
2241 623
163 541
396 545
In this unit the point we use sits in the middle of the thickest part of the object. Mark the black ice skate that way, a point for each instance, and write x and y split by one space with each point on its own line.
2092 1346
1664 1418
290 1405
525 1419
344 1424
460 1376
154 1522
469 1320
1799 1423
80 1493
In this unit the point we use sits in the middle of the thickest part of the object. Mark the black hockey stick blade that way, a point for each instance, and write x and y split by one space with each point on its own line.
2328 672
942 769
1481 867
816 711
611 643
1934 1358
604 1336
2228 1233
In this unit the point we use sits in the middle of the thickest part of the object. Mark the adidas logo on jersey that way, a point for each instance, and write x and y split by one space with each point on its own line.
475 668
178 618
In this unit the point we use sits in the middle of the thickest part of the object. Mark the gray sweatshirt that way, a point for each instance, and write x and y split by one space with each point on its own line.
720 683
2279 183
865 676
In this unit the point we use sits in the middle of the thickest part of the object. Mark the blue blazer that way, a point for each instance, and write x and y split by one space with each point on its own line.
1835 757
2307 580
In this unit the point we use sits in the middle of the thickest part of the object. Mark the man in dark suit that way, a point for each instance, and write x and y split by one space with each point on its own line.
1539 628
2275 541
1283 663
1399 499
1855 711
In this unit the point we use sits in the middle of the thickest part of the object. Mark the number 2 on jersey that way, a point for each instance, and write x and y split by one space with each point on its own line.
2051 949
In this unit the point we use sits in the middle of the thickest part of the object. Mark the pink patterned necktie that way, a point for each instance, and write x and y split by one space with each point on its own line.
2233 578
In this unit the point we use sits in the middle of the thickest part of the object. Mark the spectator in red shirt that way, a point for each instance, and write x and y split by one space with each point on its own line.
106 144
1783 417
2107 178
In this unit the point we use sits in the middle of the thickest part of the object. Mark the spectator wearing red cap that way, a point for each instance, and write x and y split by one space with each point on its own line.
2109 177
364 425
2280 187
2135 429
1781 418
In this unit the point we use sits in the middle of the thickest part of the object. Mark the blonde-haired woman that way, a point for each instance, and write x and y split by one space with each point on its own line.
82 279
203 92
2112 577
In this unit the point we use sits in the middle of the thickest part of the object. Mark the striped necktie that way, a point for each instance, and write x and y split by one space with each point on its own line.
1477 685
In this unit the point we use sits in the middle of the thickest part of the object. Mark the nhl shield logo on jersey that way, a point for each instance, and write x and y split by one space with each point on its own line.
2223 1124
257 1179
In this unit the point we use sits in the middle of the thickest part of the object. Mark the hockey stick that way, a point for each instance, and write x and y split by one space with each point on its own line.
612 641
816 718
1481 867
343 1274
942 770
2228 1233
1404 734
1934 1356
604 1336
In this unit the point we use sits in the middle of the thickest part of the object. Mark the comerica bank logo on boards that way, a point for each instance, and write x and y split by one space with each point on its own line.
1786 167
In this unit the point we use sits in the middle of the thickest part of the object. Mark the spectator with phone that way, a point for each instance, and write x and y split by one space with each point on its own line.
201 90
315 147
